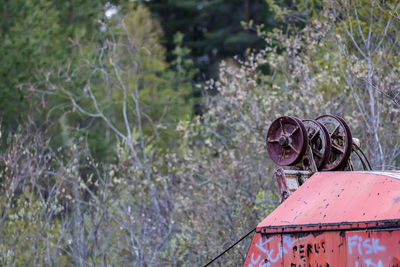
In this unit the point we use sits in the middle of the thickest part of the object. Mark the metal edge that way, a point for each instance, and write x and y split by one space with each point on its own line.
382 224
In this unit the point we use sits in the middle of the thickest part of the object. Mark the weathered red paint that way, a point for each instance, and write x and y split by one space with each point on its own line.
334 219
330 248
373 248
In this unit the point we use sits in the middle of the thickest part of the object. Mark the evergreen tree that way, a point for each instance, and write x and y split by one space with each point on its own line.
212 29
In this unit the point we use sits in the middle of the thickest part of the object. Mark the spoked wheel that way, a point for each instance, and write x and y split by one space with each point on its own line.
341 141
320 142
286 140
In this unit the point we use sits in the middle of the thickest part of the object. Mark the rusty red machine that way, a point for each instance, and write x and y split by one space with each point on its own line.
331 213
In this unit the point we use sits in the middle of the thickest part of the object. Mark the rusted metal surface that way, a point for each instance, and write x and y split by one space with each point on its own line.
320 142
305 136
373 248
290 180
283 183
323 144
333 219
286 140
341 141
331 248
337 199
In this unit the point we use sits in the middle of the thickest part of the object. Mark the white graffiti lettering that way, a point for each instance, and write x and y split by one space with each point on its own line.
375 247
370 263
368 246
255 261
365 247
287 240
262 244
271 254
278 255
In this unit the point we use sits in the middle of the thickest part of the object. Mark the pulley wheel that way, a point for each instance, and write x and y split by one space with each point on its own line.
341 141
286 140
305 136
320 142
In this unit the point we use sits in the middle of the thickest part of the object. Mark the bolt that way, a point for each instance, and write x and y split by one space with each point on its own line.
283 140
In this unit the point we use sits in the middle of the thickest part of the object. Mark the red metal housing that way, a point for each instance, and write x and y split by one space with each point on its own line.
333 219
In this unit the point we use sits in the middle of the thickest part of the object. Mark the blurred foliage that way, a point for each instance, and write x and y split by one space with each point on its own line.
31 38
36 35
125 70
212 28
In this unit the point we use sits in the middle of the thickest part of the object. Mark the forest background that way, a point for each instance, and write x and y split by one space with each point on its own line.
132 132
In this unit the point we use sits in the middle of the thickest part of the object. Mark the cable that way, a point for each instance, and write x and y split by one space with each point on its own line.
364 160
226 250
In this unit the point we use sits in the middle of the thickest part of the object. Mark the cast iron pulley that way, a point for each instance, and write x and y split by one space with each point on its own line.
319 141
286 140
305 136
341 141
